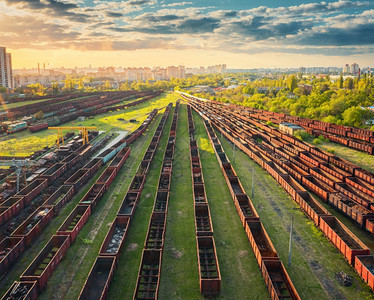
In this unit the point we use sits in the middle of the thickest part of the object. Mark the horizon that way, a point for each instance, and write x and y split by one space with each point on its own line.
139 33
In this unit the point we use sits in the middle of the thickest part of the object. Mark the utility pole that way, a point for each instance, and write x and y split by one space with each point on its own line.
253 179
233 149
290 246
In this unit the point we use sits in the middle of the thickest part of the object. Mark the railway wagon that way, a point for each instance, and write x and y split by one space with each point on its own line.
318 187
203 221
54 172
343 239
10 249
245 209
161 202
97 284
23 290
209 273
129 204
34 224
71 160
11 207
277 280
78 179
107 177
137 184
38 127
46 261
115 238
364 265
156 232
74 222
33 189
313 209
60 197
94 164
149 275
290 185
261 244
364 175
94 195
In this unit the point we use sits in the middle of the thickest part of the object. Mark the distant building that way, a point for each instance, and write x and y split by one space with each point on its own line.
346 69
6 72
290 128
354 68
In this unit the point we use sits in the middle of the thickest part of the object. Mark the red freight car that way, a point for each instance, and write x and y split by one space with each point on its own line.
94 164
203 221
129 204
11 248
261 244
78 179
364 175
47 260
107 177
115 237
93 195
149 275
137 183
97 284
74 222
28 290
245 208
33 189
209 273
311 206
60 197
290 185
318 187
11 207
54 172
277 280
346 242
364 265
34 224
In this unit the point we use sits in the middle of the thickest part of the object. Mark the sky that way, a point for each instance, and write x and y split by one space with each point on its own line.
239 33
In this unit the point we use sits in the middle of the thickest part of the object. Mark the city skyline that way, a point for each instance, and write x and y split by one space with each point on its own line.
138 33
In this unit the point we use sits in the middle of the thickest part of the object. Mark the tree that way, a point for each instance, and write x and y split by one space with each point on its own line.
292 82
39 115
3 89
81 84
341 81
353 116
55 88
348 83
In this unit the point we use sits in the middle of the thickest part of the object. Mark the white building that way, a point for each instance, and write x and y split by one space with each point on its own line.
6 73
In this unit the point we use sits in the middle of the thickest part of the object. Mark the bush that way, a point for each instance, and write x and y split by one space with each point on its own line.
317 141
270 123
330 150
302 135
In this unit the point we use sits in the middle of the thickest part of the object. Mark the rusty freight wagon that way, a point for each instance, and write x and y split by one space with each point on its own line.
129 204
10 250
98 281
74 222
346 242
60 197
261 244
22 290
34 224
93 195
209 273
47 260
115 237
364 265
33 189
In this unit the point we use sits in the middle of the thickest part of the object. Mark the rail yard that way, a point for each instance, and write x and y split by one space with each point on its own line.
195 200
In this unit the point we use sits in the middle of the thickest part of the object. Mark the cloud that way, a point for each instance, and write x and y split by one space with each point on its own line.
112 14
